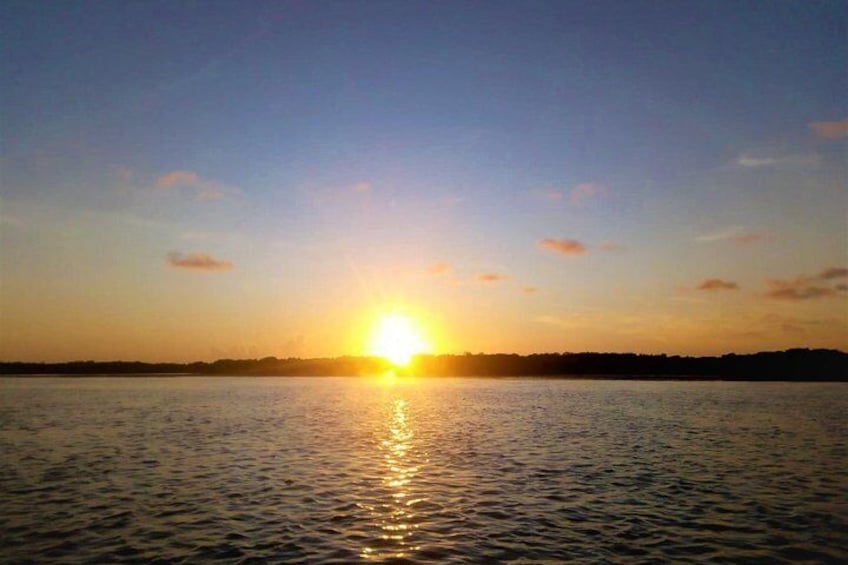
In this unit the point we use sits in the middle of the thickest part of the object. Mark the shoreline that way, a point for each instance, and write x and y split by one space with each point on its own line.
614 377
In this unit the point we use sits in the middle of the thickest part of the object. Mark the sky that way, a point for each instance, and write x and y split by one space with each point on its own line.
196 180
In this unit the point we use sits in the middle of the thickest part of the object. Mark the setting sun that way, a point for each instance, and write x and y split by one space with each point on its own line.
397 338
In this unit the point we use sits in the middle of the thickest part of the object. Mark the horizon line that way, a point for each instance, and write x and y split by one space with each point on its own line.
427 355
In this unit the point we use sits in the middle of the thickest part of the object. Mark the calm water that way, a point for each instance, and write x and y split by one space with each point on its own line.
412 471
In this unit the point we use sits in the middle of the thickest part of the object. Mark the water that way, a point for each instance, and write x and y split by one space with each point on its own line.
421 471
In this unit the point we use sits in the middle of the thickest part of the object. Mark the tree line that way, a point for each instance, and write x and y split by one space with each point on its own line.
793 364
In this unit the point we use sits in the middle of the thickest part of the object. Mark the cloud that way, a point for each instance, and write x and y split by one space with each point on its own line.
203 189
491 277
806 287
529 290
361 187
174 178
439 269
197 262
735 234
799 161
586 190
833 273
748 161
563 246
796 290
830 130
717 284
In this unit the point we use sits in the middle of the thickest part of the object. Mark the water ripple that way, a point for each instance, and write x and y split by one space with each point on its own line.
421 471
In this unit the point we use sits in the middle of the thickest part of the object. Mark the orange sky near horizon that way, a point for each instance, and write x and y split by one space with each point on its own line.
270 180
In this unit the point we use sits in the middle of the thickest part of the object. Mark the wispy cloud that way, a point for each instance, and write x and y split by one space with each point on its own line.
806 287
563 246
833 273
796 290
529 290
748 161
734 234
491 277
174 178
717 284
204 189
585 190
361 187
437 269
197 262
830 130
783 161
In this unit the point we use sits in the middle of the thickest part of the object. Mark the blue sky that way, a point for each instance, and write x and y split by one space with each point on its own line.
189 180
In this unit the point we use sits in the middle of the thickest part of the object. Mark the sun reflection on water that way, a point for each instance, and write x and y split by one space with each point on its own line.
396 514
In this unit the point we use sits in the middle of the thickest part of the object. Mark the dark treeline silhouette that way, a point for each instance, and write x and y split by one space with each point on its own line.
794 364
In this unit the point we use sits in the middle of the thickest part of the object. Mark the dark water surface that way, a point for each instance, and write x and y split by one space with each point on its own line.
349 470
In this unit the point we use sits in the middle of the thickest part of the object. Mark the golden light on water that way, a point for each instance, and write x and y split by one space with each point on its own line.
398 338
396 515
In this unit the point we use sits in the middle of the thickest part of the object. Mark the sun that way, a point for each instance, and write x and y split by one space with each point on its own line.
398 339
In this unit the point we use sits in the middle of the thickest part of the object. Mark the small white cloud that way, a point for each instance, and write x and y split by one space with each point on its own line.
792 161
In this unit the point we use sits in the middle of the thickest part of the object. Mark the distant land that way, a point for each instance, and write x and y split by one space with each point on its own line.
790 365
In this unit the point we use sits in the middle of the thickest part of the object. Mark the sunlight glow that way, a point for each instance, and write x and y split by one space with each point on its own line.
398 339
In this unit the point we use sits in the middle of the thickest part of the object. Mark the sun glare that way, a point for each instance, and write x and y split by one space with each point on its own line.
397 338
